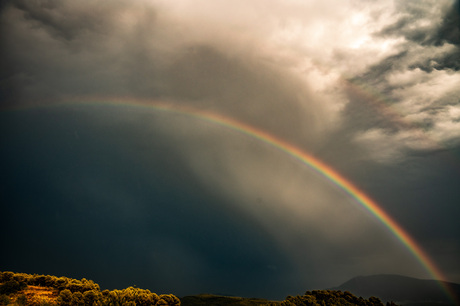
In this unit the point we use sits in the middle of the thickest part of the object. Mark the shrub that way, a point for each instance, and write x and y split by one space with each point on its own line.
330 297
4 299
90 297
11 286
73 292
77 298
21 300
6 276
65 297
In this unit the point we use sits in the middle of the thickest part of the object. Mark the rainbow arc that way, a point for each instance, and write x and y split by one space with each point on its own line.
305 158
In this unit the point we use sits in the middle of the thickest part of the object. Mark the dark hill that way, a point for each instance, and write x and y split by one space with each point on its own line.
401 289
211 299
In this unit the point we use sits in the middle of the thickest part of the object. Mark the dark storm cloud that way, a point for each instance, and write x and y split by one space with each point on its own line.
437 34
125 203
139 63
58 49
175 204
450 28
60 19
118 216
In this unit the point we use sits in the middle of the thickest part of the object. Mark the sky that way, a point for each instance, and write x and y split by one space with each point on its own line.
98 181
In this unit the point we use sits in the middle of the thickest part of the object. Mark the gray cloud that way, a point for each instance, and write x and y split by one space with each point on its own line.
419 23
358 85
63 20
407 105
138 62
420 26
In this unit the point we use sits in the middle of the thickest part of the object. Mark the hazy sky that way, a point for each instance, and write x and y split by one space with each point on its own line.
130 195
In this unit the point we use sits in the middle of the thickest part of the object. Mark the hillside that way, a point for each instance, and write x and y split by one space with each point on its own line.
211 299
401 289
41 290
310 298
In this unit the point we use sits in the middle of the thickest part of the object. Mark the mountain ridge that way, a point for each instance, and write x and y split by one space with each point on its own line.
402 289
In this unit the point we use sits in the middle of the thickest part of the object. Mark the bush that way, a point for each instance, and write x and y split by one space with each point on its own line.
6 276
21 300
11 286
90 297
65 297
4 299
77 298
330 297
73 292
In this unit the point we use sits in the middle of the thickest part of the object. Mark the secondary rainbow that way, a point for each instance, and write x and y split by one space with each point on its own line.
295 152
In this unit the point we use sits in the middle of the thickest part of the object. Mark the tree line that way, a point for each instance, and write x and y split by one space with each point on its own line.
72 292
332 298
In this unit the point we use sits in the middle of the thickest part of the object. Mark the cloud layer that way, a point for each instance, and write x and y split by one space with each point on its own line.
370 88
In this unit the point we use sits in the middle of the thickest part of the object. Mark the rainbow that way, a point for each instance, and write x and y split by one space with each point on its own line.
307 159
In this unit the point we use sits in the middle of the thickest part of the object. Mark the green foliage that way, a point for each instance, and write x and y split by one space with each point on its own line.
330 298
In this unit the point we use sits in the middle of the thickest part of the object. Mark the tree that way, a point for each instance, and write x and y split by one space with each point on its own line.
4 299
6 276
170 299
77 299
65 297
90 297
330 298
375 301
21 299
11 286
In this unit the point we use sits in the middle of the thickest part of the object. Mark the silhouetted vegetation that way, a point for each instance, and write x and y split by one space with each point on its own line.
331 298
28 289
218 300
402 289
310 298
42 290
4 299
11 286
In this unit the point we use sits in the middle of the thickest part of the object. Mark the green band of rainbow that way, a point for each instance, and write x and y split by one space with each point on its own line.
295 152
